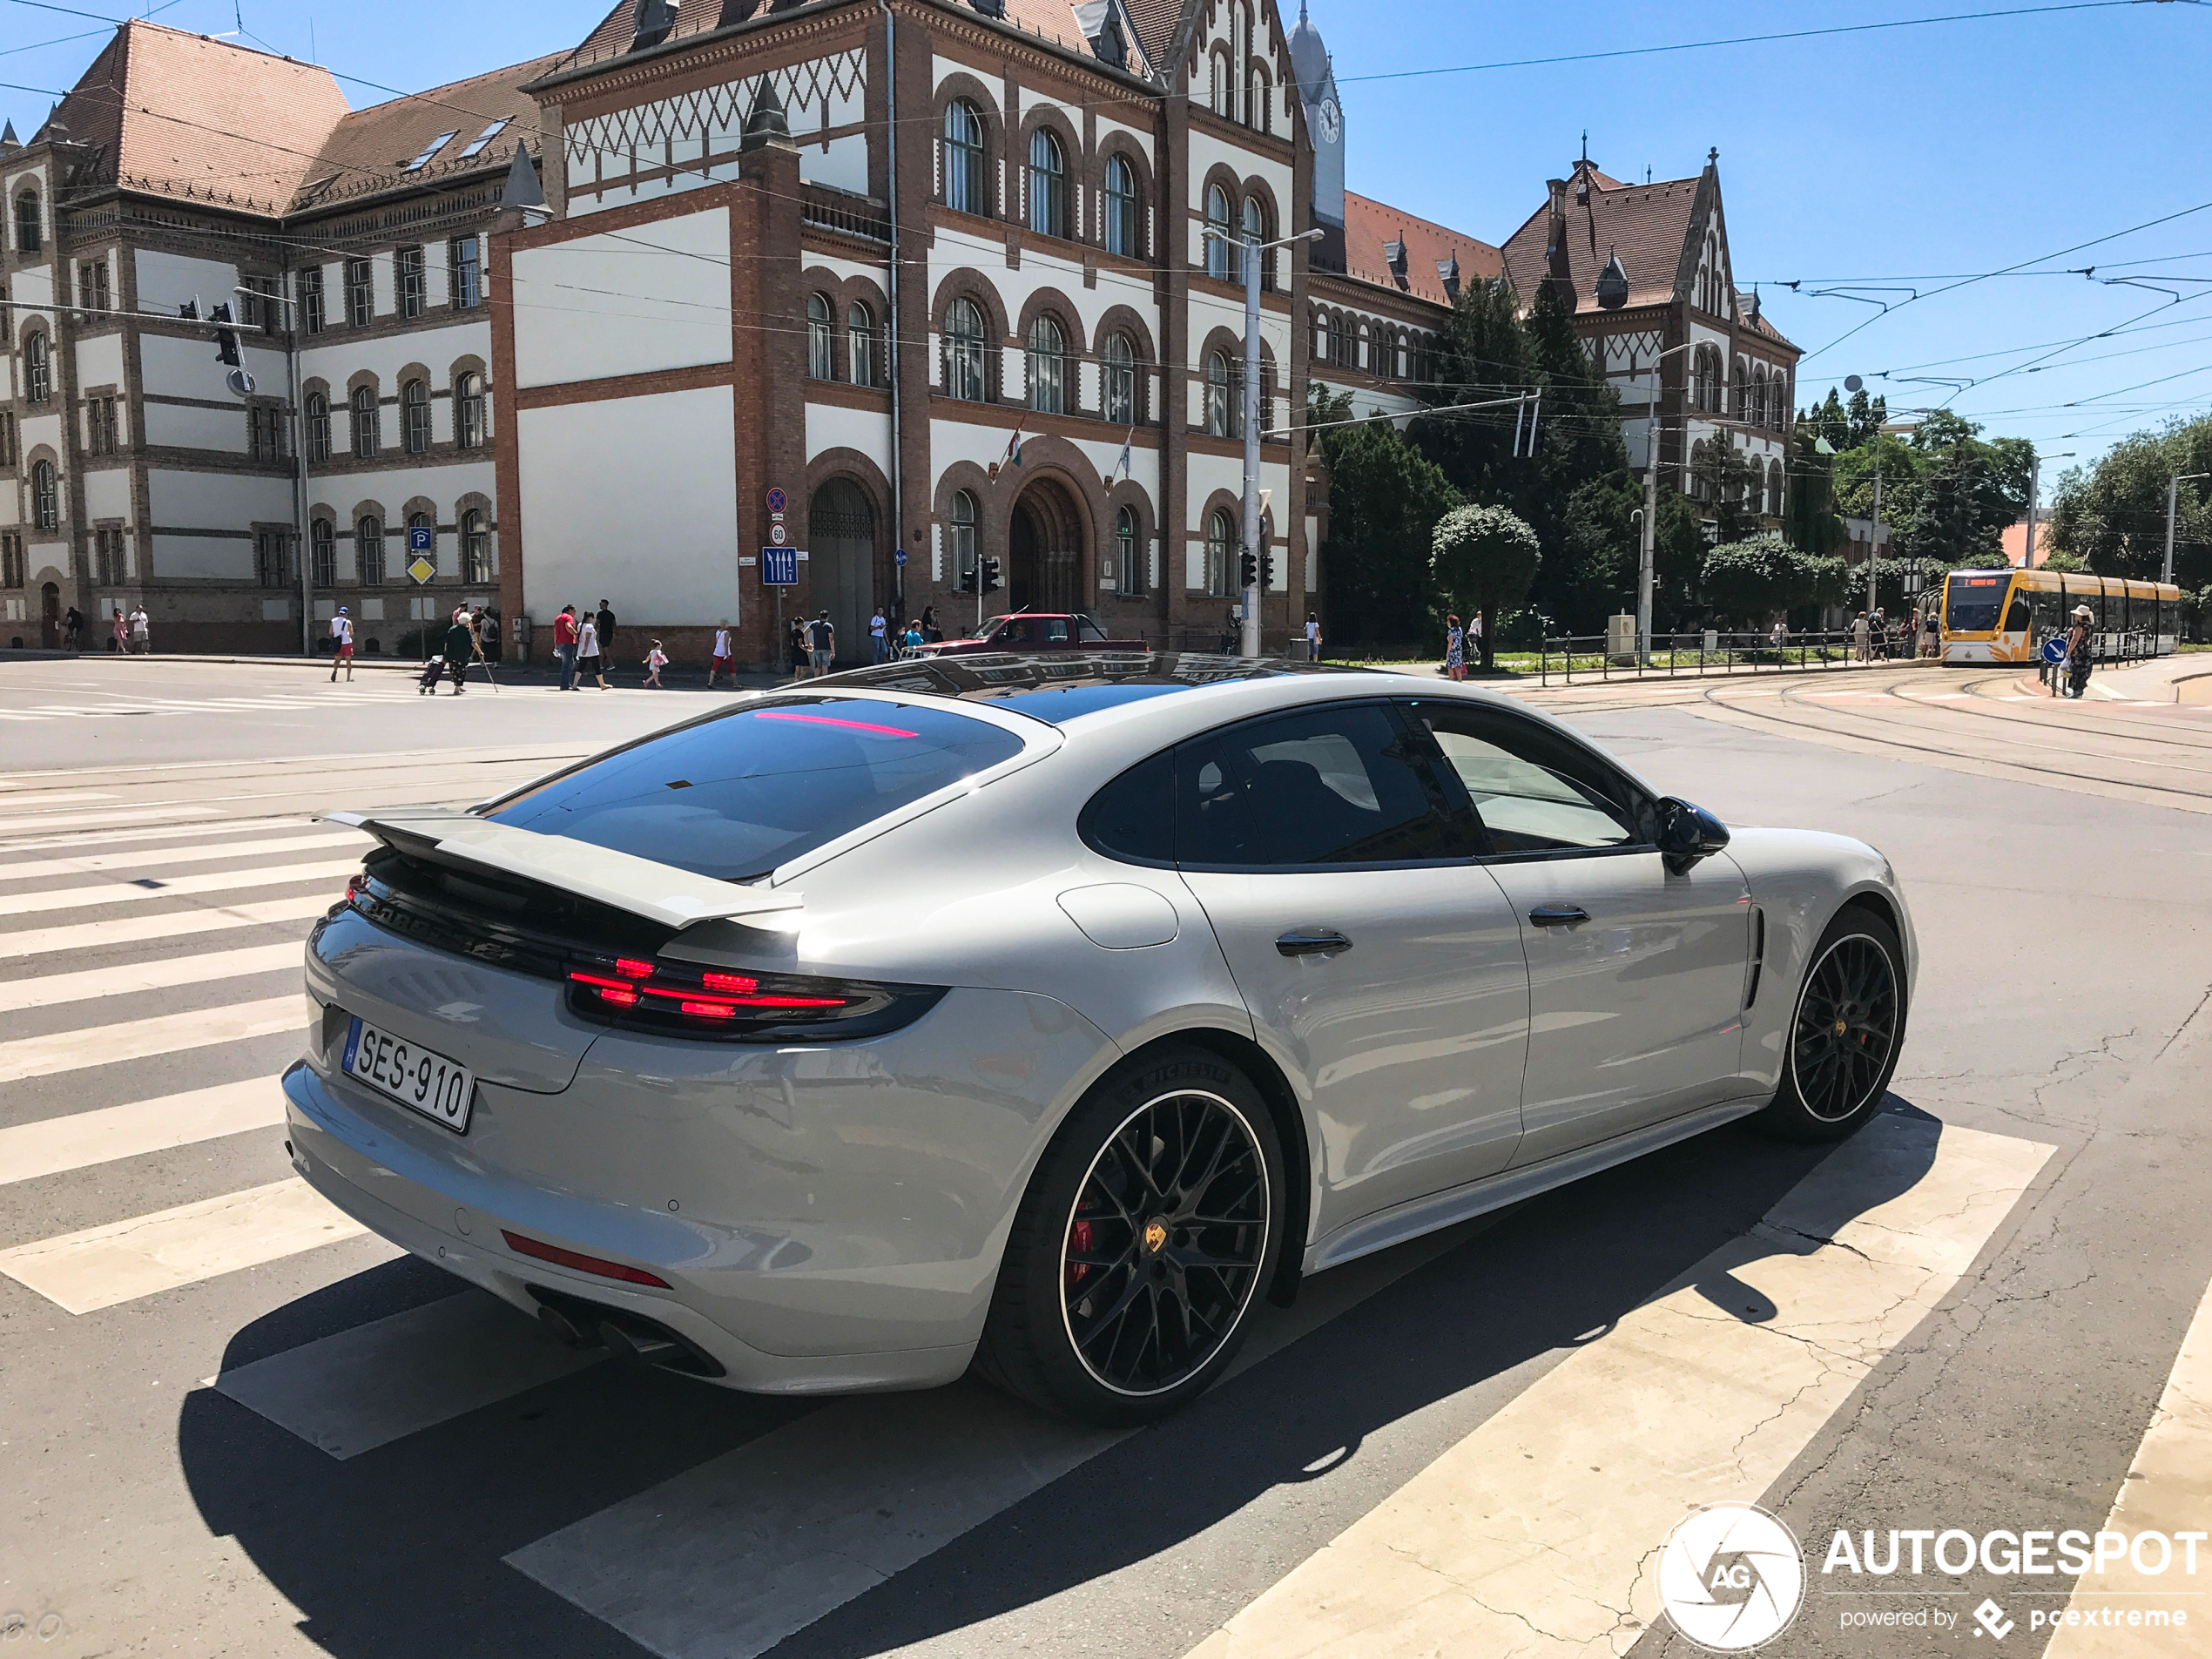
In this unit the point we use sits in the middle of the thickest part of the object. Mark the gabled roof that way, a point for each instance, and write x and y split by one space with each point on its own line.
370 150
1370 227
1646 225
181 114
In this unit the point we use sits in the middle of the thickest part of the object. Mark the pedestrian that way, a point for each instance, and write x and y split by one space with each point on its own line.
588 659
2080 646
606 619
120 638
721 662
460 645
1455 647
1313 637
564 638
911 642
1475 637
1778 635
1231 627
795 652
141 631
879 640
931 633
72 628
1862 638
656 660
822 645
1931 635
342 644
487 636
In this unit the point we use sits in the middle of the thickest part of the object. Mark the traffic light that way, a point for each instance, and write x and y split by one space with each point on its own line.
990 576
189 311
226 339
1249 572
1267 570
965 583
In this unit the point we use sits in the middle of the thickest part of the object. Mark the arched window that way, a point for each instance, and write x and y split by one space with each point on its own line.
476 548
414 399
1220 255
45 497
1048 367
1221 554
820 360
468 410
860 343
322 554
368 551
318 407
365 444
1048 186
1117 381
1255 234
1774 487
1219 90
37 368
964 360
1364 353
1128 567
1121 233
424 522
963 158
1260 109
29 235
1222 413
1322 345
962 531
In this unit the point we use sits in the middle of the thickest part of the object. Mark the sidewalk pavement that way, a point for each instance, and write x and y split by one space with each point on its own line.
674 677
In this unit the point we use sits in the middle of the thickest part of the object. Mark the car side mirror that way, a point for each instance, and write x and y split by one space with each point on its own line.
1687 834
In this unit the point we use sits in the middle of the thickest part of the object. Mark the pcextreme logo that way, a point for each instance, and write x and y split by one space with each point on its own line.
1731 1577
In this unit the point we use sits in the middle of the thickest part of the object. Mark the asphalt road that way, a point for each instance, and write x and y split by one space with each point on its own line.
261 1434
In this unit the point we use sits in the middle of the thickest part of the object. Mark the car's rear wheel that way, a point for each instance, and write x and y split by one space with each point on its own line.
1846 1033
1151 1225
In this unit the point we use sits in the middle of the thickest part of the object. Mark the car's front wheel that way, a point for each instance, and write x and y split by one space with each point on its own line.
1147 1232
1846 1032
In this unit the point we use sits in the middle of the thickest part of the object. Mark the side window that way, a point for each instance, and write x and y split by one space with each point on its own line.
1333 785
1055 630
1018 632
1087 631
2016 617
1133 817
1534 791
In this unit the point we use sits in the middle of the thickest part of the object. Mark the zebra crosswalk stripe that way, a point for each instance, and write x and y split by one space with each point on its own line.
53 1145
160 1034
115 892
157 860
124 930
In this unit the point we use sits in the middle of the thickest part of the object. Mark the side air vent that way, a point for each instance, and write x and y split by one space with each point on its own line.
1758 957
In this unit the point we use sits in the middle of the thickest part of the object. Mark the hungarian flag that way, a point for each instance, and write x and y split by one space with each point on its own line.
1013 449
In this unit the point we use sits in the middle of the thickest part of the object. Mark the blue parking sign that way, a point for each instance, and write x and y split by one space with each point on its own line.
779 567
419 538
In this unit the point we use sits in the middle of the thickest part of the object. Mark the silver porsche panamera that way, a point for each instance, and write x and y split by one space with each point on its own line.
1043 1014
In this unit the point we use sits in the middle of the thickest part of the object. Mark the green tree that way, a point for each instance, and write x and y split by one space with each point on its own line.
1809 522
1384 497
1484 558
1749 581
1677 557
2113 516
1725 475
1484 353
1601 546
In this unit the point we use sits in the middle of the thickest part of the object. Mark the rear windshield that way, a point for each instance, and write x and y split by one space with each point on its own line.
735 796
1973 602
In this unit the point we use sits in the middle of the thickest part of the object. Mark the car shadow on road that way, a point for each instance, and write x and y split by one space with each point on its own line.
399 1551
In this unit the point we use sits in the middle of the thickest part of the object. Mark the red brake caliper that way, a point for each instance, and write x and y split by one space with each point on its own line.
1078 1239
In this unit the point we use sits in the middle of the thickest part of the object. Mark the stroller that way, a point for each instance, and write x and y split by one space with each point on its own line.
433 672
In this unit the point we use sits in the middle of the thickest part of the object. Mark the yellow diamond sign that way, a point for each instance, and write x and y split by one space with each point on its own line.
421 569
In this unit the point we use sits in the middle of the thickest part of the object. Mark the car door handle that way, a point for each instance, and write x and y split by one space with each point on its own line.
1312 941
1558 915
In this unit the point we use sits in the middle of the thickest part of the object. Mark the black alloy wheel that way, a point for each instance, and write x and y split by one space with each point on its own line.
1153 1222
1164 1242
1847 1031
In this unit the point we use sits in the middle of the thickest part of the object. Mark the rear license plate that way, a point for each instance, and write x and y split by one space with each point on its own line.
441 1089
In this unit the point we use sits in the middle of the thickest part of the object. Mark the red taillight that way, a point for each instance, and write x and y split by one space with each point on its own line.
629 967
709 1010
582 1263
610 991
736 983
355 885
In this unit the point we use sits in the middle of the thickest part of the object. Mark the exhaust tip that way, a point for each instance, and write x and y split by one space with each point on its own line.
565 1330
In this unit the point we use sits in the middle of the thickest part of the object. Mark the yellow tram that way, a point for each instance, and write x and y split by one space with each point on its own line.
2004 616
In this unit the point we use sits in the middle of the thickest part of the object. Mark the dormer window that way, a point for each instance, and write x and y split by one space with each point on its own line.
430 150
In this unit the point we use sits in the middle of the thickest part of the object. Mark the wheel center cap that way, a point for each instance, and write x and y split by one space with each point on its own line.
1842 1026
1156 1236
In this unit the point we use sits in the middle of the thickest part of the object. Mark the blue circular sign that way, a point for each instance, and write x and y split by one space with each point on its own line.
776 501
899 556
2054 650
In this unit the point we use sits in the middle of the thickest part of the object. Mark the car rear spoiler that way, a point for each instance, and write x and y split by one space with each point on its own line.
658 891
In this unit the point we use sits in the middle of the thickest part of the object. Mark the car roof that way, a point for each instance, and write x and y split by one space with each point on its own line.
1059 685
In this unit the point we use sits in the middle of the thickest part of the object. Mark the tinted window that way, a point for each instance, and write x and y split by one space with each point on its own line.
1134 816
1335 786
1973 601
735 796
1534 790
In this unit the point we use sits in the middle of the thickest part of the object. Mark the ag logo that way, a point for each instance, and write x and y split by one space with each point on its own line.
1731 1577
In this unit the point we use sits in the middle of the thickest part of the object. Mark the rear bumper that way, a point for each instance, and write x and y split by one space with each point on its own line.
827 1218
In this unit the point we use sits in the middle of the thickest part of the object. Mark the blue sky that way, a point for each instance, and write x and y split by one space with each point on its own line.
1888 161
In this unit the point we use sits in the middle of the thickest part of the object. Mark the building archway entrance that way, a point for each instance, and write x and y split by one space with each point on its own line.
840 523
1044 550
50 617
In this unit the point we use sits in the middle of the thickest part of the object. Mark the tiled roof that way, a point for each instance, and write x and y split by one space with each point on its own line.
183 115
1156 22
1370 227
370 149
1646 225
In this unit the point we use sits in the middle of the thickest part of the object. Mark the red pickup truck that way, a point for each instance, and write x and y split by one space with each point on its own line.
1033 630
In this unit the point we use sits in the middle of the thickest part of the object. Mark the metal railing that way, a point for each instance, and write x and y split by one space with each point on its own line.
840 210
1709 652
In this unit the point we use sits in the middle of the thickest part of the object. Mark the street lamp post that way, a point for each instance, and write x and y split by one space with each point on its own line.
2173 497
1248 644
1650 508
2035 495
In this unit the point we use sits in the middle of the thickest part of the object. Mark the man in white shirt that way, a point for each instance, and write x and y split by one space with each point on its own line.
341 645
141 640
723 662
1313 637
876 638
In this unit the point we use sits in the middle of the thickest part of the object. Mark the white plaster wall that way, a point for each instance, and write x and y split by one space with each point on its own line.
600 306
875 271
584 467
382 287
177 499
99 361
955 249
225 559
187 427
46 430
48 562
107 493
390 490
185 366
166 280
435 348
831 425
33 285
